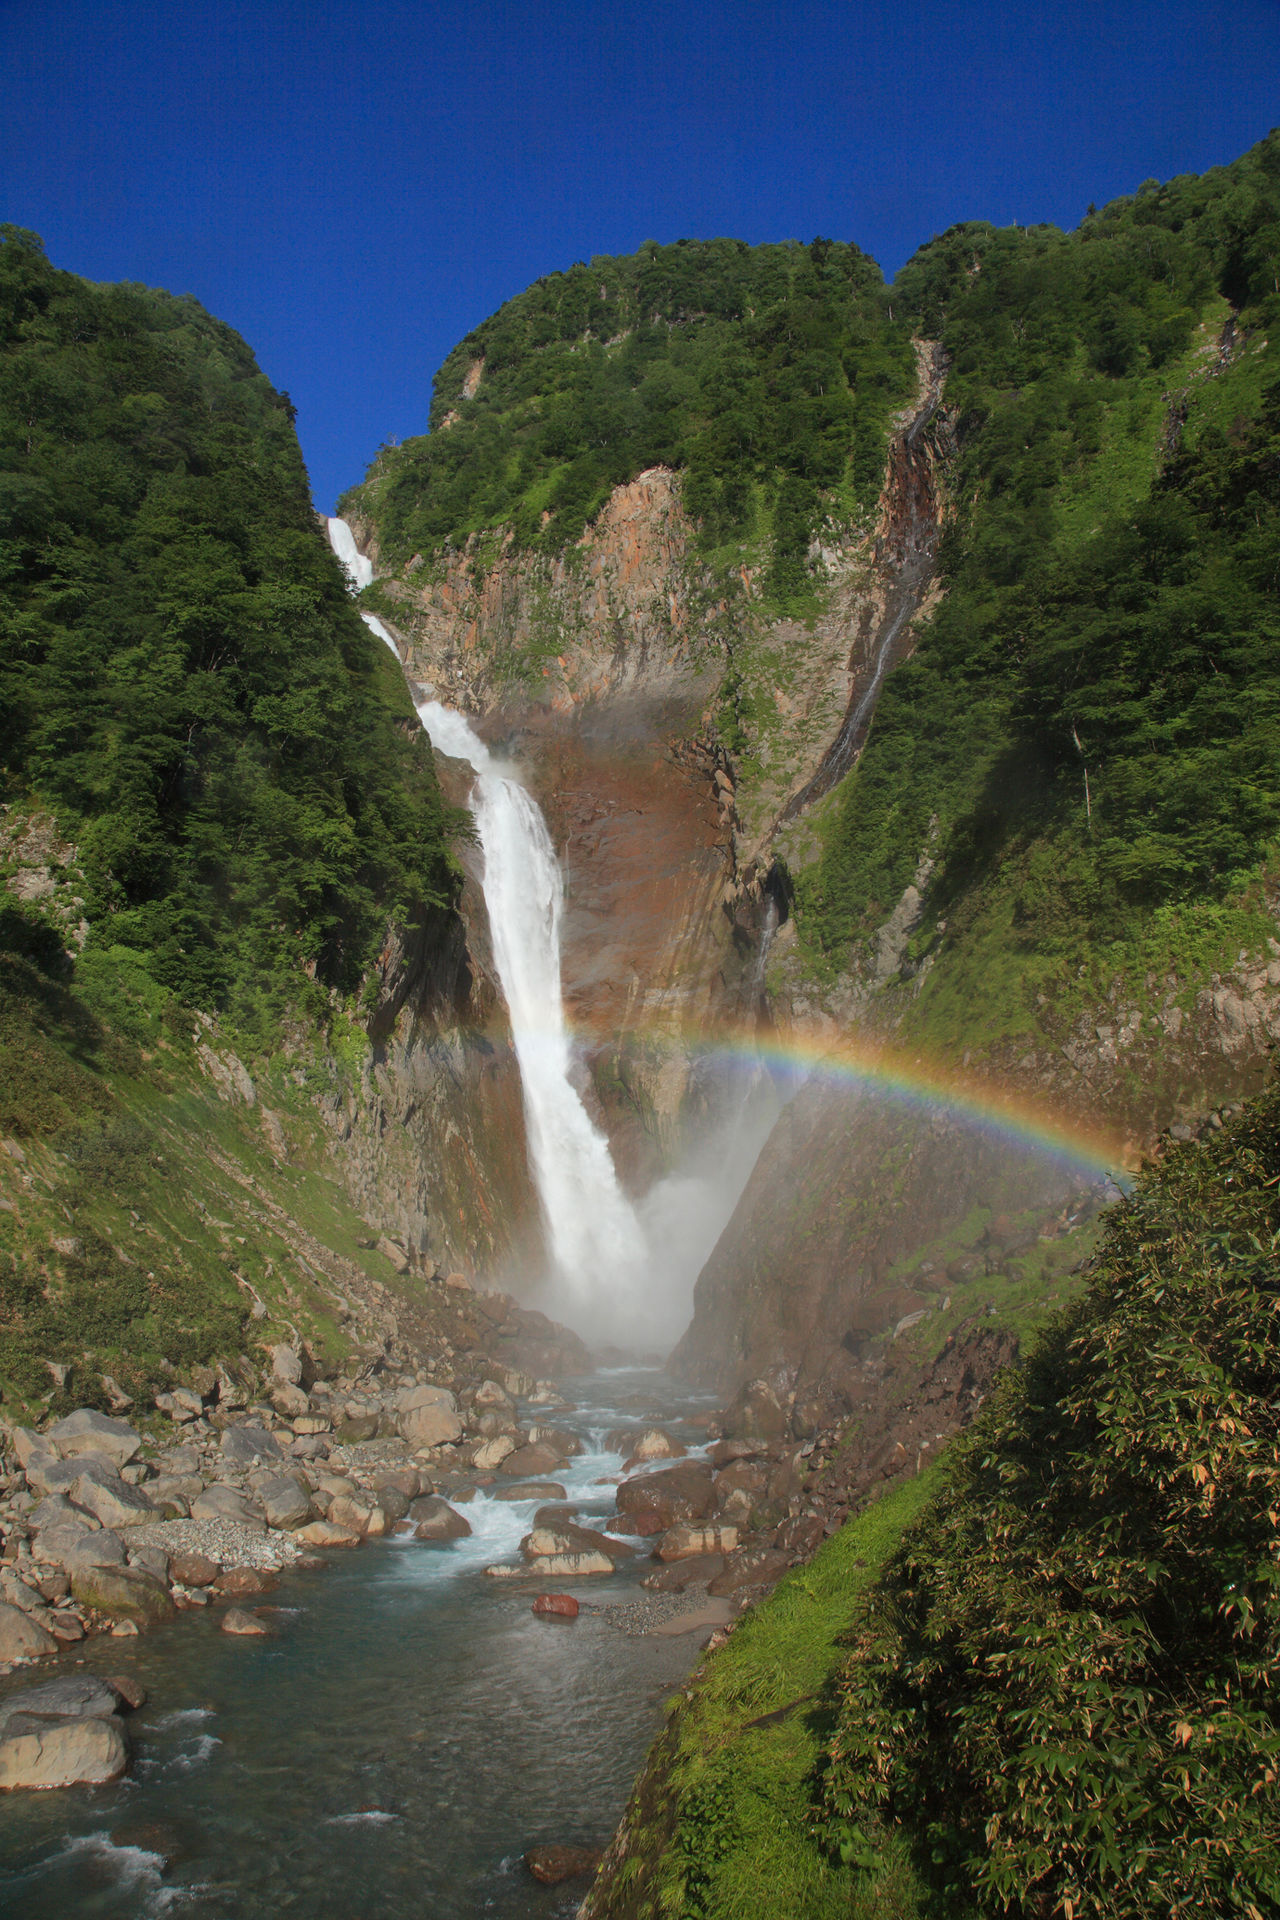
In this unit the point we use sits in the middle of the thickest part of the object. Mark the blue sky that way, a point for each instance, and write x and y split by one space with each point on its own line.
353 188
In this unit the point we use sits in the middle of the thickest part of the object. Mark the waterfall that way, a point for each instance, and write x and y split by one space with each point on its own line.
621 1273
595 1238
359 571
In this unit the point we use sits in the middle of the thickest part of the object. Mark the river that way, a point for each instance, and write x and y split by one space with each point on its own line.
410 1730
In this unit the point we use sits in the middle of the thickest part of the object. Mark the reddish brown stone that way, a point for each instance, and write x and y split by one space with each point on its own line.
193 1570
551 1865
561 1606
236 1582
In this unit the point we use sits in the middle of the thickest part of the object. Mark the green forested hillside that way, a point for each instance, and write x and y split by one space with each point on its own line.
183 681
767 373
1089 732
214 795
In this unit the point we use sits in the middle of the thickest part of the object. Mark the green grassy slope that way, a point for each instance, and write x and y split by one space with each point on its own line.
722 1823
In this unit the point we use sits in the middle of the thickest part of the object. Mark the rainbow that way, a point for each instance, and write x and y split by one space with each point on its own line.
900 1076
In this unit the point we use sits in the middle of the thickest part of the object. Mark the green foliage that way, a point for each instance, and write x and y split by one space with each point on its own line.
1110 612
1061 1686
183 679
724 1809
766 373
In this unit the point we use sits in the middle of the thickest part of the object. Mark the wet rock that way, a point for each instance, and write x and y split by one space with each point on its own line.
130 1689
86 1431
238 1582
555 1542
556 1606
70 1697
66 1627
725 1452
21 1637
683 1492
758 1413
654 1444
243 1446
532 1490
323 1533
538 1458
236 1620
123 1593
43 1753
393 1504
551 1865
680 1542
437 1521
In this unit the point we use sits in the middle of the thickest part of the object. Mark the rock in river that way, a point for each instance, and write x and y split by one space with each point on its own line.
38 1752
124 1593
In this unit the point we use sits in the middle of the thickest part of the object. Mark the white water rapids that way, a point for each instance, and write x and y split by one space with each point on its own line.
624 1273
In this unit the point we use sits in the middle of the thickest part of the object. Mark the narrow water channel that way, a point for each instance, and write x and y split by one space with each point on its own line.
407 1734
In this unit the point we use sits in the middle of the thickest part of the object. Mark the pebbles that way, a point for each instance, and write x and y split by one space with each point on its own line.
221 1540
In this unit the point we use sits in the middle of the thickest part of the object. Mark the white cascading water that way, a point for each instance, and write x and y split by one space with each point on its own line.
596 1240
625 1274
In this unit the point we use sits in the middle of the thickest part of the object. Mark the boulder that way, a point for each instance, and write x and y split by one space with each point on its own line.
430 1424
556 1606
86 1431
286 1365
404 1480
531 1490
130 1689
153 1560
40 1753
74 1550
679 1543
490 1454
291 1402
437 1521
238 1582
357 1428
758 1413
123 1593
409 1399
242 1446
683 1492
22 1638
284 1502
29 1445
568 1566
323 1533
71 1697
751 1567
654 1444
565 1537
536 1459
114 1504
236 1620
689 1572
352 1511
228 1503
49 1473
490 1394
551 1865
394 1504
193 1570
308 1426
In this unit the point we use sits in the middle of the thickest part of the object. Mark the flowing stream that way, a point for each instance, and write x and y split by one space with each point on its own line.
409 1730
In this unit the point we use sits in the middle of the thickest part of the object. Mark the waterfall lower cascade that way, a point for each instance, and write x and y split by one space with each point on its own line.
625 1274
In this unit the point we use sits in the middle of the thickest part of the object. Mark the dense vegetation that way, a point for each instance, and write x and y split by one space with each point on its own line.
766 373
1061 1688
1090 728
183 681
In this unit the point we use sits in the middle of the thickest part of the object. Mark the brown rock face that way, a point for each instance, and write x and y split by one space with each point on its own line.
558 1606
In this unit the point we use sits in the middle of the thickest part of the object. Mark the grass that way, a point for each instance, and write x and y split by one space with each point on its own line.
722 1820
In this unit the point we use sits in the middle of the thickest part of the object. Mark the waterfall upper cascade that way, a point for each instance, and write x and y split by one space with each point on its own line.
359 571
624 1272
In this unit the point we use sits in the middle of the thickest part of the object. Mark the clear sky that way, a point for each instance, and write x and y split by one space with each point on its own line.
353 188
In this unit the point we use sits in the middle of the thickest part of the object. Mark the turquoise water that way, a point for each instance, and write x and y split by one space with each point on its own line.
410 1730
